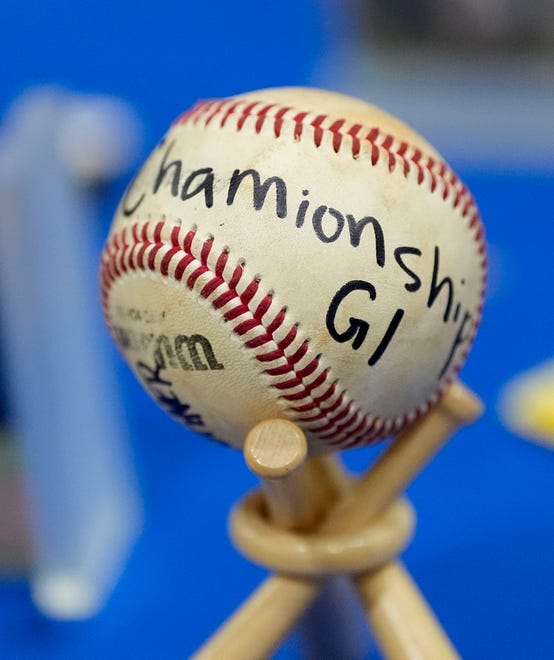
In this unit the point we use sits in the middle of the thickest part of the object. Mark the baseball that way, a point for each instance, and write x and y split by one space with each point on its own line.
299 254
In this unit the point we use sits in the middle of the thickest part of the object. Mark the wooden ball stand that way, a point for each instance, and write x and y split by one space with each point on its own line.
310 522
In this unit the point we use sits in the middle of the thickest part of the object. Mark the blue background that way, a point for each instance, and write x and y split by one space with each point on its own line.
482 554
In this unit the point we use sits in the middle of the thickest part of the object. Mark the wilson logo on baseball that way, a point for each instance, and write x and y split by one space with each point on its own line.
295 253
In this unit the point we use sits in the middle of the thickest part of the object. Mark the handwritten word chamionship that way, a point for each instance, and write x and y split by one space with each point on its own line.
328 225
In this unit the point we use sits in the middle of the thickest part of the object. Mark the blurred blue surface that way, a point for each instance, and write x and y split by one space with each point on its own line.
482 554
161 57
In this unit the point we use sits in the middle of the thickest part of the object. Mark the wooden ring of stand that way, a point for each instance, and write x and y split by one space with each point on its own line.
312 554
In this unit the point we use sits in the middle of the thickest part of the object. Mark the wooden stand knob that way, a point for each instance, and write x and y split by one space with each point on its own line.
276 451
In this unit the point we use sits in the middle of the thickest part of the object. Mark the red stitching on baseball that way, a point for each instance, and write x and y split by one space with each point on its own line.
139 252
263 307
249 292
287 341
224 298
309 369
258 341
228 113
215 112
277 321
261 117
280 371
278 122
320 415
269 357
211 286
235 312
382 144
245 114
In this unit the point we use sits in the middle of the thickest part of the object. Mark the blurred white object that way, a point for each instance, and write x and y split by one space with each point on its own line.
83 499
99 138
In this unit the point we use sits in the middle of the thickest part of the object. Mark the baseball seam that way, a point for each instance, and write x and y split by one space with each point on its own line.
236 115
313 399
299 377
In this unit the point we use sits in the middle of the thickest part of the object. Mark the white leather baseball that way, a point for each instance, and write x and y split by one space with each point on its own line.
300 254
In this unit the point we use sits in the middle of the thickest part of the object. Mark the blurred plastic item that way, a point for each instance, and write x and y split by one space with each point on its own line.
84 505
527 404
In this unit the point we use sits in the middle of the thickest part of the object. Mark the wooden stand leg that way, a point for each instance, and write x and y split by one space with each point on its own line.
394 605
406 457
263 621
404 626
